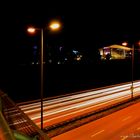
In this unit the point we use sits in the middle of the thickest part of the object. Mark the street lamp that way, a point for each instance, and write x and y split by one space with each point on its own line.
132 87
132 68
55 25
124 43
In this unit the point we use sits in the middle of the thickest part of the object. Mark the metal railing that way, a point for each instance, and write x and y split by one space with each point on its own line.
21 125
5 131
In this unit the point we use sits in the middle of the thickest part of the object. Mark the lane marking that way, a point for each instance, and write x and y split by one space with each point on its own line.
124 137
97 133
127 118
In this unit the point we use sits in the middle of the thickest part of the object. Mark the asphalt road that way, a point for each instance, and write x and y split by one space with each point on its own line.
121 125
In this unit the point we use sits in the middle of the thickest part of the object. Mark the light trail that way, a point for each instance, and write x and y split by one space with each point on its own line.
96 93
80 102
83 94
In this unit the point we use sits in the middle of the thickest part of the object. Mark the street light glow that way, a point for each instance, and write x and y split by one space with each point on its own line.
138 43
54 25
124 43
31 30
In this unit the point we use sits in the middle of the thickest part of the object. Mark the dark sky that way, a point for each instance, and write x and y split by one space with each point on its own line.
86 24
91 21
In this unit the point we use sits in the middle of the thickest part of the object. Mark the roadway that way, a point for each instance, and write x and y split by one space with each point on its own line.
63 108
121 125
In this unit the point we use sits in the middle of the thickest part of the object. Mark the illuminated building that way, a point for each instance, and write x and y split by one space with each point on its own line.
115 52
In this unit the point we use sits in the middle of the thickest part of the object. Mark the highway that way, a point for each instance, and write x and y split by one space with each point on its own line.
62 108
121 125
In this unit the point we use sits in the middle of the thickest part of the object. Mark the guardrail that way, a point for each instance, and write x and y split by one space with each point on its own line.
5 131
21 125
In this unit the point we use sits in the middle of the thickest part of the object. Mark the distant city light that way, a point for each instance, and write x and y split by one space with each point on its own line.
35 47
60 48
58 62
50 61
74 51
79 57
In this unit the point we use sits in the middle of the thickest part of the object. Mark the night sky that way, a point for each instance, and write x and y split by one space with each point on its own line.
86 25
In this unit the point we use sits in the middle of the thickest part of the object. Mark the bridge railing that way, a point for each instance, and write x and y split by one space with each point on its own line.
20 124
5 131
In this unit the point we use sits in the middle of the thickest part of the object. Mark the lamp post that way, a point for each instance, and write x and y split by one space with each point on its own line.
132 72
55 25
41 80
132 68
